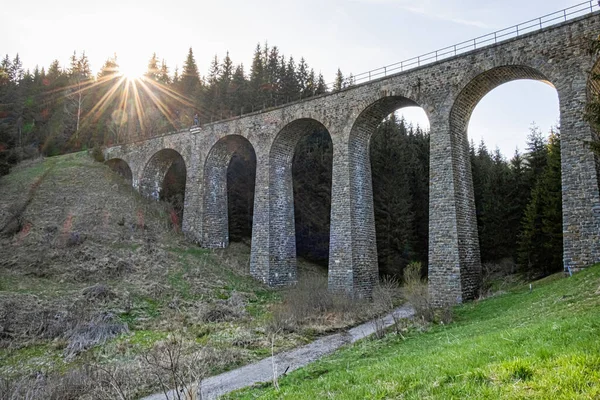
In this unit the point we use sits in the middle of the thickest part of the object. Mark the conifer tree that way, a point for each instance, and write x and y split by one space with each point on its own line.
190 78
321 85
163 74
153 70
257 79
540 243
338 84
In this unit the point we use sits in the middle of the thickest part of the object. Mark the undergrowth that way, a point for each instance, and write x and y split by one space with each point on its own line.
540 343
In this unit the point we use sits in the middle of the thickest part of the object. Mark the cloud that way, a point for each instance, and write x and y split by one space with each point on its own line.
428 9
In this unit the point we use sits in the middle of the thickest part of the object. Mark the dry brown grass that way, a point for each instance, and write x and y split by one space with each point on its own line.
99 278
311 308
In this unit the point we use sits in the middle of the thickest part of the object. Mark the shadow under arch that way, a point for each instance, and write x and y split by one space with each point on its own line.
121 167
362 277
163 163
215 216
476 89
282 228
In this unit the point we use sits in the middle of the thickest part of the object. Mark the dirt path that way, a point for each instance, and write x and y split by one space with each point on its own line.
262 371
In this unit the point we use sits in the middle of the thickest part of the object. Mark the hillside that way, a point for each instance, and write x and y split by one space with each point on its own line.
98 290
84 261
537 343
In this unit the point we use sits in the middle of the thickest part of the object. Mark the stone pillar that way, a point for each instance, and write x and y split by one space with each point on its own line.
215 222
580 196
192 207
282 233
454 259
353 264
259 256
340 277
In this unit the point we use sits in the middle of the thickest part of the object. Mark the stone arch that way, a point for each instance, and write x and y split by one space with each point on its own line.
593 92
468 237
362 277
153 175
479 86
121 167
282 235
215 218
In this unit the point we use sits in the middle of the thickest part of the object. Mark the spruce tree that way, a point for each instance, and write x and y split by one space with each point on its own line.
257 80
540 243
321 85
338 84
163 74
153 70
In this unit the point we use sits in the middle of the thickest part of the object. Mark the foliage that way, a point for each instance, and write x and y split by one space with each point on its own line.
400 172
518 202
540 241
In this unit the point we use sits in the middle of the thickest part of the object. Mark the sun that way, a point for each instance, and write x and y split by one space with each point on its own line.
131 69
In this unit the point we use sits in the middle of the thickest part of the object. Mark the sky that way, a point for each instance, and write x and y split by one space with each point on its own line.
353 35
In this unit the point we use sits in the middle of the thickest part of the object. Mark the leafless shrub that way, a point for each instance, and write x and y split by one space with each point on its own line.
415 292
14 221
75 384
219 312
98 292
310 305
98 330
379 327
176 368
75 239
386 295
495 276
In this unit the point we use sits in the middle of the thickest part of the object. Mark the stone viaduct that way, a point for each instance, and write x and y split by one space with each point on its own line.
448 91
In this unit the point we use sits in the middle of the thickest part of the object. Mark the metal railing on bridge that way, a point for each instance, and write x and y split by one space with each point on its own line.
473 44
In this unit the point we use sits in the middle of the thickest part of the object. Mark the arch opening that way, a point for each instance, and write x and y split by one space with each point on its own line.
300 198
367 175
173 189
121 167
164 178
229 183
390 156
516 208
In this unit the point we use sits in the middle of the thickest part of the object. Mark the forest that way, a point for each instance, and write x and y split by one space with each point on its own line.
64 109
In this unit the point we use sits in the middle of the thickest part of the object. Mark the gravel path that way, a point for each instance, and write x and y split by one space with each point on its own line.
262 371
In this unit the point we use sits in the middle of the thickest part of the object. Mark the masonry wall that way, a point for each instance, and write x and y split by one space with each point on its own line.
448 91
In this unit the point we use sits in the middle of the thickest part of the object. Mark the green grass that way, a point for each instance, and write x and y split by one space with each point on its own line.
540 344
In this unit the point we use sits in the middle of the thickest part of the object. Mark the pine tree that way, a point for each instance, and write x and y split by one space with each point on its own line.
190 86
238 91
153 70
302 76
290 86
339 81
163 74
257 79
190 79
540 243
311 85
321 85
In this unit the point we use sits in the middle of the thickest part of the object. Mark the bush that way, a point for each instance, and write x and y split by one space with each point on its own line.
310 306
416 292
97 154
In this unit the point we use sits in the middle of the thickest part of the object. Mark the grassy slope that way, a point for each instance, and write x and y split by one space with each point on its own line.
158 283
90 247
540 344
